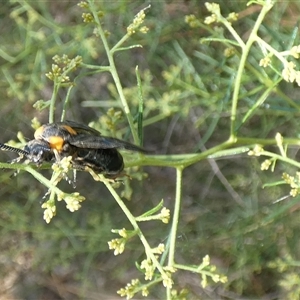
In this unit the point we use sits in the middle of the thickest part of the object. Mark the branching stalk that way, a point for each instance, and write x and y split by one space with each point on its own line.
114 72
245 51
135 225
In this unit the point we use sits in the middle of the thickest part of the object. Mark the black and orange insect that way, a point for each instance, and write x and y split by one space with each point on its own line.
87 147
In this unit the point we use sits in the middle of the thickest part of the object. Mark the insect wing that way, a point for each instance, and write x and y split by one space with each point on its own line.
80 136
102 142
80 128
108 161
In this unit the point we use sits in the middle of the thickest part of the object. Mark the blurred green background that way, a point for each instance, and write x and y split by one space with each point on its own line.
226 213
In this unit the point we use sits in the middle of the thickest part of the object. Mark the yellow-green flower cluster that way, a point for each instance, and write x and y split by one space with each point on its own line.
83 4
66 61
290 74
295 51
63 65
181 295
118 245
130 289
229 51
167 280
281 264
62 167
164 215
73 201
266 165
232 17
215 16
87 18
294 182
192 21
149 268
160 249
214 8
137 22
57 73
111 119
210 271
264 62
72 204
256 151
50 211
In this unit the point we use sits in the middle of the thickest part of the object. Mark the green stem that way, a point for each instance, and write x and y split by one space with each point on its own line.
175 221
174 227
123 100
114 73
140 118
193 269
66 103
229 147
234 33
96 67
279 55
119 43
52 101
43 180
260 101
185 160
245 51
135 225
281 158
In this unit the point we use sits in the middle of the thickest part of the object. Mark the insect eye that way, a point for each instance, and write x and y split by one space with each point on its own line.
36 150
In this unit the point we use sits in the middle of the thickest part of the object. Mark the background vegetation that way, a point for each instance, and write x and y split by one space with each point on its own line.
187 84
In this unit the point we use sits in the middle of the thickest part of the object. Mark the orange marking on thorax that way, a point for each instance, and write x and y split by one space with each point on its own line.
56 142
70 129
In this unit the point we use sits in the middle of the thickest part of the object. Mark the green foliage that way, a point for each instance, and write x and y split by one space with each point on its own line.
213 84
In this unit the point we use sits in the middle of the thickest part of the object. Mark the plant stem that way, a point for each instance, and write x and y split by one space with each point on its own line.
114 72
66 102
229 147
175 221
43 180
173 232
135 225
245 51
281 158
53 100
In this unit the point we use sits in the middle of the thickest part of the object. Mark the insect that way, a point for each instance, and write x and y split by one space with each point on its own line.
87 147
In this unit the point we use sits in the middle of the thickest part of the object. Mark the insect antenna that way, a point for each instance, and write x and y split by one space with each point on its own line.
13 149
